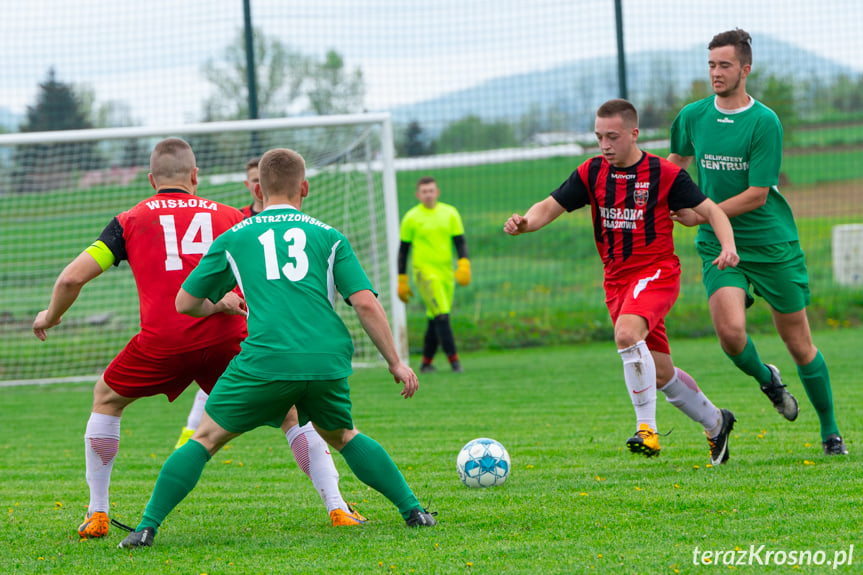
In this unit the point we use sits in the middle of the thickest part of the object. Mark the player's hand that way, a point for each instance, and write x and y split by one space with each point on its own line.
232 304
687 217
41 324
462 272
405 292
727 259
403 373
515 225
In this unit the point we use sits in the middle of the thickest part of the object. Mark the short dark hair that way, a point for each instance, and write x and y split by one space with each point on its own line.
425 180
740 39
619 107
253 163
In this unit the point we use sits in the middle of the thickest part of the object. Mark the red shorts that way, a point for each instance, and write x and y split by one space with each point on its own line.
650 294
136 373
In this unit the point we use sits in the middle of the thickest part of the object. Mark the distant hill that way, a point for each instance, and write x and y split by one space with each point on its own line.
579 87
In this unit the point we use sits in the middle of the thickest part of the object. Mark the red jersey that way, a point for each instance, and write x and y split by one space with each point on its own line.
631 208
164 238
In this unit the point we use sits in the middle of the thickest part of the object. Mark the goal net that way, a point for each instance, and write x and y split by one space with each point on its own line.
58 190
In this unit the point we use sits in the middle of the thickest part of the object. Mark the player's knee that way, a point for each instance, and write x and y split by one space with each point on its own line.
626 338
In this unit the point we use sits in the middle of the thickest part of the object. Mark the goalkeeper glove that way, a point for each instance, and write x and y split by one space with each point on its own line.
462 272
405 292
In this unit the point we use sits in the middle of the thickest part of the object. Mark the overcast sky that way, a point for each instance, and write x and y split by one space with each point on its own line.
149 54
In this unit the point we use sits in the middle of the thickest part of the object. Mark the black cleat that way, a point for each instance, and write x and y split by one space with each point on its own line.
143 538
782 400
719 444
456 367
834 445
421 518
427 368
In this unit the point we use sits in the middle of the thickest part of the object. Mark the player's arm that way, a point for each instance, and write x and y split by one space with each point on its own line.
539 215
749 199
404 288
462 272
66 289
374 321
682 161
715 216
187 304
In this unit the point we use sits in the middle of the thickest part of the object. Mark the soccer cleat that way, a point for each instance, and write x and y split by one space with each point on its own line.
427 368
420 517
456 367
185 436
645 441
342 518
782 400
95 524
834 445
719 444
143 538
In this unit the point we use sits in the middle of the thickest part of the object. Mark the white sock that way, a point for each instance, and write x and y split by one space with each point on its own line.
197 411
683 393
313 456
639 373
101 443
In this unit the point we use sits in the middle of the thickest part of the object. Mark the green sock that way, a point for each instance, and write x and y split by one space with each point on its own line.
749 362
373 466
178 477
816 382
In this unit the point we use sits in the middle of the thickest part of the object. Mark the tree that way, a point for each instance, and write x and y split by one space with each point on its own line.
46 166
280 72
333 89
57 108
413 144
472 134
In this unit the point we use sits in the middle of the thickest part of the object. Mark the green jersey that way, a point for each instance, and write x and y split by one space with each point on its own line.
430 232
289 266
734 150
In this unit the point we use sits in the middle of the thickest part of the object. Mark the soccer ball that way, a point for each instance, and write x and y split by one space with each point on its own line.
483 462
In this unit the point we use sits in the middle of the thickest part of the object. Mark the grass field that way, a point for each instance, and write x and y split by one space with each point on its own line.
576 501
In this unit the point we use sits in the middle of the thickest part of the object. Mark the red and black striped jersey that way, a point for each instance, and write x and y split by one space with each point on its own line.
249 211
631 208
164 238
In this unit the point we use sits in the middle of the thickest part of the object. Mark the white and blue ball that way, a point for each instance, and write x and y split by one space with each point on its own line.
483 462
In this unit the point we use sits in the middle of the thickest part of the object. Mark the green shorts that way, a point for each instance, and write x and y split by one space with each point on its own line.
776 272
436 288
241 401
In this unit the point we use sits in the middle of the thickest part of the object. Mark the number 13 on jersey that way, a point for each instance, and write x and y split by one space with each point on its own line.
294 270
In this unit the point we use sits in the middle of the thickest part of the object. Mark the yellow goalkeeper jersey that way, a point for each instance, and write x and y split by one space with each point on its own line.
430 233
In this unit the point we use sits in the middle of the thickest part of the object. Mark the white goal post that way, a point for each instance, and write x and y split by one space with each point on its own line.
59 189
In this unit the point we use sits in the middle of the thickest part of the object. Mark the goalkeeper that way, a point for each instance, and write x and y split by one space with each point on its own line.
430 227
